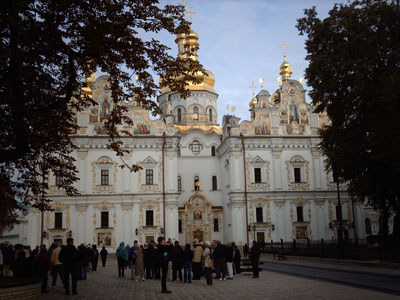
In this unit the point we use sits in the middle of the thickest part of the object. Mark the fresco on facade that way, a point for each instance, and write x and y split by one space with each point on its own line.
105 110
104 239
100 129
94 113
139 125
301 233
262 128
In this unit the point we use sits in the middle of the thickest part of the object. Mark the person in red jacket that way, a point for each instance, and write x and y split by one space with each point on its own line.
44 263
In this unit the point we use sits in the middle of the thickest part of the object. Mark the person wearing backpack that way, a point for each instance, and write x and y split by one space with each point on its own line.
121 256
103 254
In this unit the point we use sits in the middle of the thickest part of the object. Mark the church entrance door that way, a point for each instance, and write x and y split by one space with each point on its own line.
198 234
260 237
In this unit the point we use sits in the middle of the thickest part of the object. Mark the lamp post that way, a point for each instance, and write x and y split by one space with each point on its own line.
336 178
136 231
252 227
70 233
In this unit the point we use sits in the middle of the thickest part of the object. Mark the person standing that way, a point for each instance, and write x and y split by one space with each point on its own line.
245 250
132 261
139 269
254 257
177 261
57 265
236 259
187 258
121 255
148 259
103 254
95 258
69 256
157 262
44 263
208 263
165 256
219 256
197 253
229 260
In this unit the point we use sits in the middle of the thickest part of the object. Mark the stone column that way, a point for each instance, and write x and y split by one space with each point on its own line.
82 165
276 154
317 169
238 225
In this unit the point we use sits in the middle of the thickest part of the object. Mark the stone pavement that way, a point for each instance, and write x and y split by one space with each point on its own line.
105 284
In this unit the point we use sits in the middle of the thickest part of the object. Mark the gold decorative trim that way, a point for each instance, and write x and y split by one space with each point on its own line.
296 186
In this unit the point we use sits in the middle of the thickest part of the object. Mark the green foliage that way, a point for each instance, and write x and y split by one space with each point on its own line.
354 57
47 49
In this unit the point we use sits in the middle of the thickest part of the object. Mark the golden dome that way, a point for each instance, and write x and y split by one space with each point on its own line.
253 102
206 81
286 70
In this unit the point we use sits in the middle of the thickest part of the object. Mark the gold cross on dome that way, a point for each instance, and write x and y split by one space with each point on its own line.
284 47
252 87
191 13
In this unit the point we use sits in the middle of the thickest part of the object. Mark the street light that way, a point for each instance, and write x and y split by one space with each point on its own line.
70 234
44 234
136 231
253 228
162 231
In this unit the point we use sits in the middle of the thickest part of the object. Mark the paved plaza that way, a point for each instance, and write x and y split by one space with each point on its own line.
105 284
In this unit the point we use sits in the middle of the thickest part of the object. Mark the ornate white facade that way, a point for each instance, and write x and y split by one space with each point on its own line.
197 179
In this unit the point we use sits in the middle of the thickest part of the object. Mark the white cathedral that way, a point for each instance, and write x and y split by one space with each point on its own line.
262 178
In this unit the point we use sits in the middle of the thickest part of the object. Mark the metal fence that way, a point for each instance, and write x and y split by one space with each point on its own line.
333 248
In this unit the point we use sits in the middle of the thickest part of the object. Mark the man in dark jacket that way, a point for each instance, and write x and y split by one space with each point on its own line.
148 259
103 254
219 256
44 262
95 258
164 252
177 261
69 257
254 257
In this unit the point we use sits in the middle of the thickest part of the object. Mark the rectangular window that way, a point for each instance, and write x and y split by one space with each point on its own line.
58 220
297 175
338 213
257 175
300 214
104 177
104 219
259 215
58 179
149 218
179 183
149 176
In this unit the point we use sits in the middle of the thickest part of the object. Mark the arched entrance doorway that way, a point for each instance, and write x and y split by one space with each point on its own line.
197 217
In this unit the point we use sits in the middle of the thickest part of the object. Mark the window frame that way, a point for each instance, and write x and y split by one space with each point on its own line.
149 177
259 215
216 222
297 175
299 213
214 183
104 177
149 217
58 220
257 175
103 215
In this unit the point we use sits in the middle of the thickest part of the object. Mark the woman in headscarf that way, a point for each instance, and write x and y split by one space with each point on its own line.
139 269
121 255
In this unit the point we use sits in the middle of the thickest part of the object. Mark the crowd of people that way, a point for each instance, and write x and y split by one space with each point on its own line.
168 259
65 262
161 260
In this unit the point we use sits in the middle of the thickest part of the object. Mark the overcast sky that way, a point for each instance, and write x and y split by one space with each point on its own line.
240 42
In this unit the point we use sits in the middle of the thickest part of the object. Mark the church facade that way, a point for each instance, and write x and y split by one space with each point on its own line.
262 178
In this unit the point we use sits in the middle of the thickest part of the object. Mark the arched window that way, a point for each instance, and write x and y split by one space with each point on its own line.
368 229
213 151
180 226
179 183
216 225
196 183
195 113
179 112
214 183
210 114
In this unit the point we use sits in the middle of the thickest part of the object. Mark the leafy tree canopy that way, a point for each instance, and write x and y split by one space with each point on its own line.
354 57
47 49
